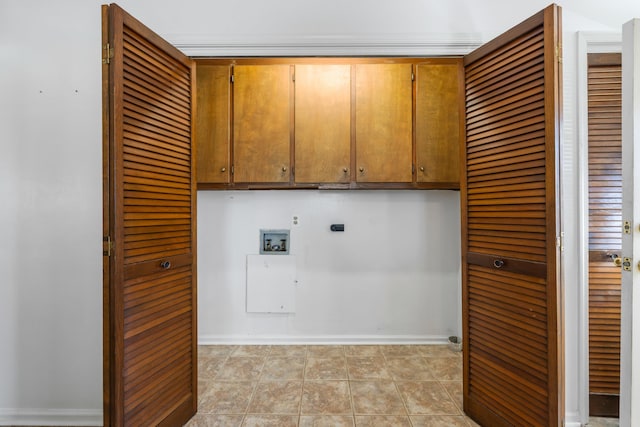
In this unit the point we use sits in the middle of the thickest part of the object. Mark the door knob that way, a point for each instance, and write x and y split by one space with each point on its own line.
165 264
617 261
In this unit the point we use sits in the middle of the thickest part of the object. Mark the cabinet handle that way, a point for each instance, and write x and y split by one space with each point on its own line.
421 168
165 265
361 169
223 169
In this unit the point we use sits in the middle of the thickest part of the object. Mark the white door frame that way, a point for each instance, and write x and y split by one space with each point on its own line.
588 42
630 336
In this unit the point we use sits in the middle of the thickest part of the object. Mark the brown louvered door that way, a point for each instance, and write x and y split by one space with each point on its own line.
605 236
509 191
150 294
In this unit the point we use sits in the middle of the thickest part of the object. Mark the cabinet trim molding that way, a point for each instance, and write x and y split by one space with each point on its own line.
427 44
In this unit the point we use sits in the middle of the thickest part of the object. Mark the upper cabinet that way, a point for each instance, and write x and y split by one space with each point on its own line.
439 92
261 123
328 122
383 122
212 123
322 123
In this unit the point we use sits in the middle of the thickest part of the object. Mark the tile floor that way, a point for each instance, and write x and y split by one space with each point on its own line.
333 386
603 422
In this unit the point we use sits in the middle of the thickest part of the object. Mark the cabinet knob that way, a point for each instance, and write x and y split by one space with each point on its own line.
421 168
284 169
361 169
345 170
165 265
223 169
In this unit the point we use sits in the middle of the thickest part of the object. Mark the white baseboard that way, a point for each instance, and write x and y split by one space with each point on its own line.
50 417
321 339
572 419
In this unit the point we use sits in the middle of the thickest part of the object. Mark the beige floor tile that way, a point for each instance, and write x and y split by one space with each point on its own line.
454 388
270 421
367 368
208 367
326 397
326 421
439 421
324 351
204 386
445 368
334 368
288 351
363 350
215 350
426 398
376 397
251 351
409 368
276 397
603 422
438 350
400 350
227 398
240 369
283 368
382 421
215 420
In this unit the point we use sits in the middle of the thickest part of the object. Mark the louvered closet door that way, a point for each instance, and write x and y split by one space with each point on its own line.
511 296
605 231
150 300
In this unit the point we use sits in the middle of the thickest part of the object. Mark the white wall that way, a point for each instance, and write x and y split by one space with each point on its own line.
391 276
50 161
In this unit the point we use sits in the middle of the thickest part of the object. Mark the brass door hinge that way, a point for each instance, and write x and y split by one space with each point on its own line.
559 53
107 245
107 54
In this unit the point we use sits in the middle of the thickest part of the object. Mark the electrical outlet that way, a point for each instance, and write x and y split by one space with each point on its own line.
295 221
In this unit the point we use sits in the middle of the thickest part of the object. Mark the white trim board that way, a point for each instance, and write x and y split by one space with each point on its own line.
321 339
338 45
50 417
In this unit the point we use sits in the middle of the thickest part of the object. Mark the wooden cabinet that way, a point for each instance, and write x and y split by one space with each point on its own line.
212 123
322 123
262 123
437 121
328 122
383 122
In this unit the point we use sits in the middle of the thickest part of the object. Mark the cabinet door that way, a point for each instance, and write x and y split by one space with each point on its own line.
212 128
261 125
322 123
384 147
438 90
